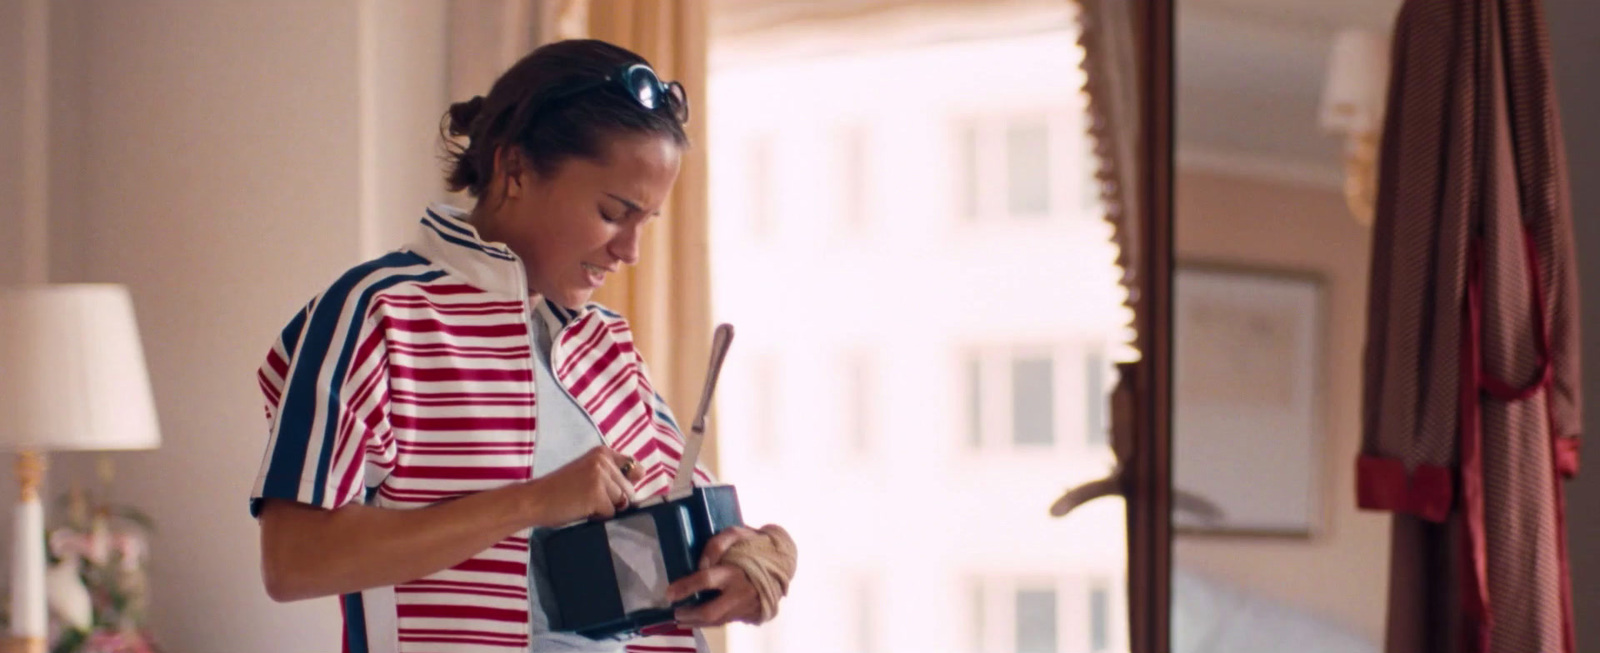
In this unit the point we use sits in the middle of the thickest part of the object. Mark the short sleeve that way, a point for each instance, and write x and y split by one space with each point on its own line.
326 386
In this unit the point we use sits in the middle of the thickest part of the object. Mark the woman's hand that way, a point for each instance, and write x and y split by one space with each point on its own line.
738 601
593 486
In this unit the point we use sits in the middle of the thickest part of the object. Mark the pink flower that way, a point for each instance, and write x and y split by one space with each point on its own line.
99 542
130 547
117 642
66 542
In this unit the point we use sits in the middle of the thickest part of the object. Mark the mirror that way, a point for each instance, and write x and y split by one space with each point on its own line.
1277 105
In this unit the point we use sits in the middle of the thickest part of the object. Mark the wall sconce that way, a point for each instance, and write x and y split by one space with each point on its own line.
1352 106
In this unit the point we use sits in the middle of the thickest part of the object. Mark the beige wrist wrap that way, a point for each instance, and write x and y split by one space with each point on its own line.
769 560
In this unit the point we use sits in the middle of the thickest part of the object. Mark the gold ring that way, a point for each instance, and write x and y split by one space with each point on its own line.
627 467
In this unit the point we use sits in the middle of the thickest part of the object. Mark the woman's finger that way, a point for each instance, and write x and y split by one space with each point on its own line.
685 587
704 614
633 470
711 614
719 544
608 496
604 510
621 460
630 468
622 487
734 603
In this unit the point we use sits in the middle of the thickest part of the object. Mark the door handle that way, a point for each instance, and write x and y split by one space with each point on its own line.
1122 444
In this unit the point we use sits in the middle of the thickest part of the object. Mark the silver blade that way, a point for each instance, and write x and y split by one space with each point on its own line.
683 480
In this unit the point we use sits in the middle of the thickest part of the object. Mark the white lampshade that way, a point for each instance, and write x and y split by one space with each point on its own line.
72 373
1358 78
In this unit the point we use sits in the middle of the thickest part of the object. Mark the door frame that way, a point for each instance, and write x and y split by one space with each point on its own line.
1148 480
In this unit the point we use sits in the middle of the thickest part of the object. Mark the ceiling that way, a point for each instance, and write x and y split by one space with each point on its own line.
1249 83
1371 14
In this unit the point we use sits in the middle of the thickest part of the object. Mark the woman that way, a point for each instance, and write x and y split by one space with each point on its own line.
434 406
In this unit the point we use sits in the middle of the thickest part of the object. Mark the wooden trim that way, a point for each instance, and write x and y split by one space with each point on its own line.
1149 476
1241 268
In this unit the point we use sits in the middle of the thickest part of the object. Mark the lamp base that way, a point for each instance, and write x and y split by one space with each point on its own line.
1361 177
14 644
29 620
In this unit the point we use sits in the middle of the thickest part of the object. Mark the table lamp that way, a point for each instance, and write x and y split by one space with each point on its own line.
72 378
1353 98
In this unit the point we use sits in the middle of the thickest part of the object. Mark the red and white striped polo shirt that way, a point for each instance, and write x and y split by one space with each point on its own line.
410 381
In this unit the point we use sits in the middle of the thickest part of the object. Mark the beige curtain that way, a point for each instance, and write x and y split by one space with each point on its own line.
667 297
489 36
1111 65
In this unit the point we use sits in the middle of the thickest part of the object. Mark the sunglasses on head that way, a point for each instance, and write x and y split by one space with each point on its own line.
639 82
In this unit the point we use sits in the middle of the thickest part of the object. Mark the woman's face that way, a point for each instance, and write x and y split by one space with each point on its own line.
574 228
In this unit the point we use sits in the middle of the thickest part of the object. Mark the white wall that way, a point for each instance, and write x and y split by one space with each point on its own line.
1336 573
226 161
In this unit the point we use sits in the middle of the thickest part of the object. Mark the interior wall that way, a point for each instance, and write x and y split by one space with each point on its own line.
1337 573
1577 60
225 161
12 75
220 184
404 61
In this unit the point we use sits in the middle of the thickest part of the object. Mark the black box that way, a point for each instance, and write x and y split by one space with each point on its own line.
607 578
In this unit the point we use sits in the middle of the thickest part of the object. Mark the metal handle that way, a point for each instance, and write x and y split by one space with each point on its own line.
719 351
1122 443
683 480
1182 500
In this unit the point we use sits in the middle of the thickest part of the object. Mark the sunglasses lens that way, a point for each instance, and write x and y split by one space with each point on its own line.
644 86
678 99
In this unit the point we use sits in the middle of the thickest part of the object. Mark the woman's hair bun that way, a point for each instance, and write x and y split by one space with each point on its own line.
463 113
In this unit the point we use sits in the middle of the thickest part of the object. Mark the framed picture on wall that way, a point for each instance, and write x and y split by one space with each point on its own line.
1247 431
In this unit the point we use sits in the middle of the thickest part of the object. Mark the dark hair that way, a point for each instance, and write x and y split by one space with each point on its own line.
517 113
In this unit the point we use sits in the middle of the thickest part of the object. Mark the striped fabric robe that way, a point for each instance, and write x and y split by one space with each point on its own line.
409 382
1471 399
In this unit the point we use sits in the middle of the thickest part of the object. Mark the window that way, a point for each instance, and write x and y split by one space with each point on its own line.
1036 621
762 186
968 169
1095 373
1099 618
866 615
765 371
973 375
951 377
1033 416
858 389
1041 614
1012 397
1028 168
1003 168
856 177
979 616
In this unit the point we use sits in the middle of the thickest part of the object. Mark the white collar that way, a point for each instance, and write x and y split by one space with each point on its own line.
447 238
